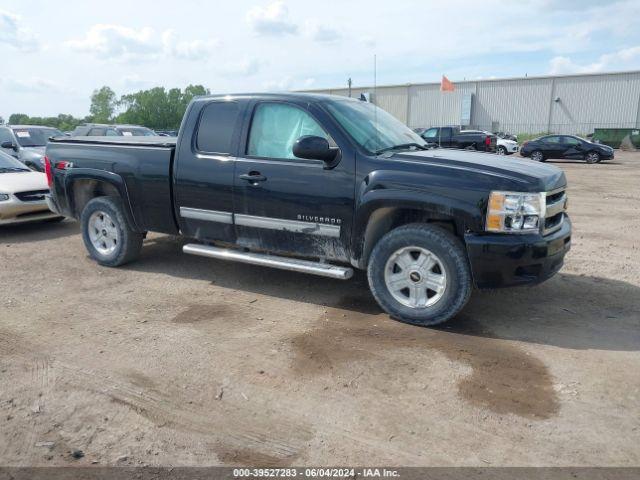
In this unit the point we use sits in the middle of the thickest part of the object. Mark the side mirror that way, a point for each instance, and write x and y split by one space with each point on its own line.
10 145
316 148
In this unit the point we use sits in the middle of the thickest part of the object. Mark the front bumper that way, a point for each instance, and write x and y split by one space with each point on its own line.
503 260
15 211
512 148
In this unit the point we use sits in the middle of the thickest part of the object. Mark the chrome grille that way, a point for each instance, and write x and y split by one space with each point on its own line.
556 204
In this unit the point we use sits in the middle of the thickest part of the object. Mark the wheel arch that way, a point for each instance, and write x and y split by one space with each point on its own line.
83 185
376 218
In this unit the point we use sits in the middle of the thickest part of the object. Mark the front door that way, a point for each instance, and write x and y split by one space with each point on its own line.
572 148
287 204
7 136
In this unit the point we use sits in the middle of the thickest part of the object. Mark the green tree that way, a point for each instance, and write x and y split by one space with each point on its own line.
157 108
18 119
103 105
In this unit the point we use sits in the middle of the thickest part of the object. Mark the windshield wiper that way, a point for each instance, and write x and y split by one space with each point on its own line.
402 146
14 169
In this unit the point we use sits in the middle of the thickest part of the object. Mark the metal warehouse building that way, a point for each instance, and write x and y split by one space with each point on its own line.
574 104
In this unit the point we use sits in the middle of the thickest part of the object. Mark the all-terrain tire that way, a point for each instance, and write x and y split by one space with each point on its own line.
450 252
130 242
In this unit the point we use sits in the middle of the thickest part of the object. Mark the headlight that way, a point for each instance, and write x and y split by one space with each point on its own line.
515 212
4 197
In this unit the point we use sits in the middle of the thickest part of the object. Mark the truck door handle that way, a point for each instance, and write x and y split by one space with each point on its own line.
253 177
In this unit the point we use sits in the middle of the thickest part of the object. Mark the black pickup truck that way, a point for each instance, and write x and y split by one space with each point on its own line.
321 185
453 137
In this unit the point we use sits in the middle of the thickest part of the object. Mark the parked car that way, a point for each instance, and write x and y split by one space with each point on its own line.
453 137
322 185
22 193
102 130
565 146
167 133
26 143
506 136
504 146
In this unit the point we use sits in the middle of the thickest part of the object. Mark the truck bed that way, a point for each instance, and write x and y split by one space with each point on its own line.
144 165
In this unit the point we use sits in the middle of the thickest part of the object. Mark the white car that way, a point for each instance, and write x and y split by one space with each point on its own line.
506 147
22 193
503 145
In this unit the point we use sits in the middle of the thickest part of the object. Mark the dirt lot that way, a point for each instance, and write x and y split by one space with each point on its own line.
187 361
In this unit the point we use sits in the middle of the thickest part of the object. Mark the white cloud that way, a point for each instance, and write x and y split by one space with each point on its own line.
611 61
32 85
288 83
322 33
245 68
135 82
188 50
271 20
281 85
116 42
13 33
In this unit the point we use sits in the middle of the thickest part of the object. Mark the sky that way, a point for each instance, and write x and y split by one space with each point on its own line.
54 54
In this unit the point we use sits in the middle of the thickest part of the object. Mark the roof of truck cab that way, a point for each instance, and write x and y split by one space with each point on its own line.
166 142
30 126
313 97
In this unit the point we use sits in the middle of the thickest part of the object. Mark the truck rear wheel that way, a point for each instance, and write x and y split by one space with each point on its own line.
107 235
419 274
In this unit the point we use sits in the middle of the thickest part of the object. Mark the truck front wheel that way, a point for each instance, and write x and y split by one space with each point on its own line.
419 274
107 235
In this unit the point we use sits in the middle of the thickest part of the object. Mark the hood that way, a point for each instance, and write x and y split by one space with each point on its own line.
601 145
15 182
525 175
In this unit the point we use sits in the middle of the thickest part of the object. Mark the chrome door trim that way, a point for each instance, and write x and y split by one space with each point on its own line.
207 215
297 226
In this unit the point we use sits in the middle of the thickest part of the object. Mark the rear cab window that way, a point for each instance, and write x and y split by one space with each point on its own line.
216 127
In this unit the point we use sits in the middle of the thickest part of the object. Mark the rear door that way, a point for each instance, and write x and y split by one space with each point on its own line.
203 172
287 204
553 147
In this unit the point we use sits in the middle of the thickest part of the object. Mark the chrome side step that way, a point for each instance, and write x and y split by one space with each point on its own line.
284 263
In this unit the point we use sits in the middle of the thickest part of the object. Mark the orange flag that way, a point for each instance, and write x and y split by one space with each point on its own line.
446 85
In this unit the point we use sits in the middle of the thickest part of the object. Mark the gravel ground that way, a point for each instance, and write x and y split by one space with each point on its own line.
179 360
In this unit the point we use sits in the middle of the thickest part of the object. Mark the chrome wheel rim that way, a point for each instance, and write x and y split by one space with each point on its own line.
592 157
103 233
537 156
501 151
415 277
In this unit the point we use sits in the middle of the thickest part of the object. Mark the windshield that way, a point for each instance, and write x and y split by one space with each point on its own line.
137 132
35 137
371 127
10 164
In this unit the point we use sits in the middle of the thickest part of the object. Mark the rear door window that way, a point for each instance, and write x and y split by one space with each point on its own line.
216 127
